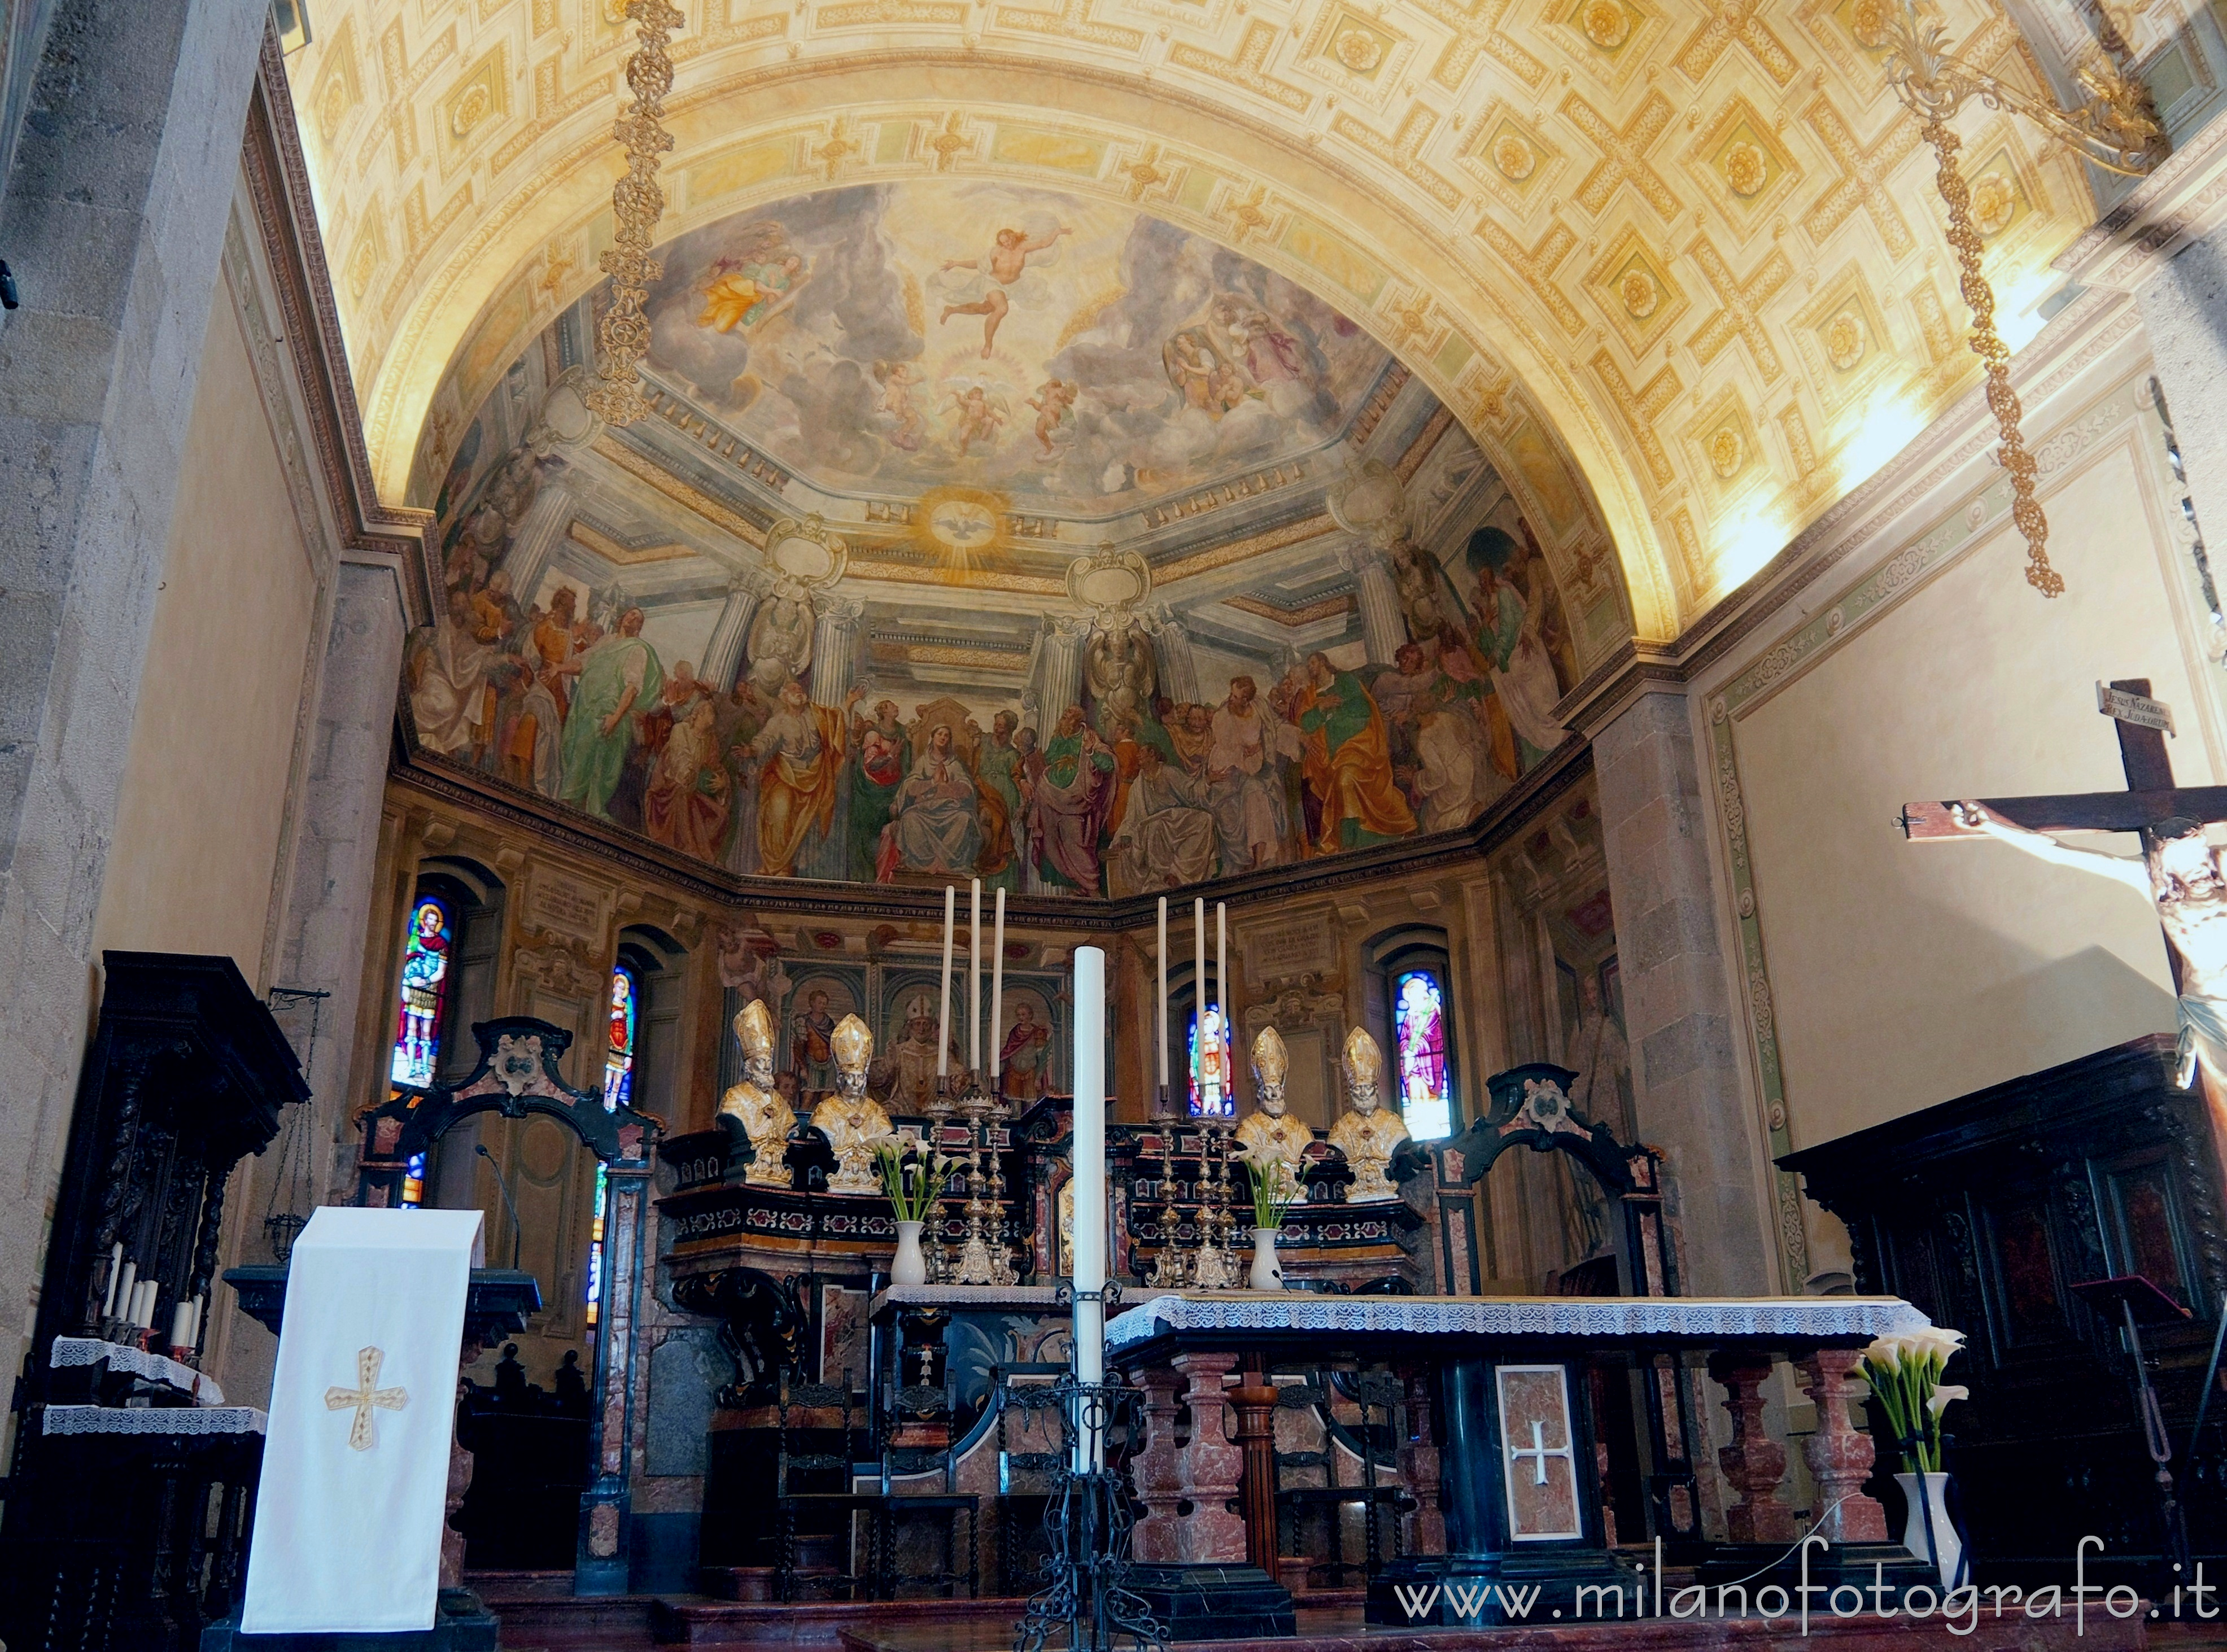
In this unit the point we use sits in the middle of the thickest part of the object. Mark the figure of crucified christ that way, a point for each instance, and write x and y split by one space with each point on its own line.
1004 264
2180 872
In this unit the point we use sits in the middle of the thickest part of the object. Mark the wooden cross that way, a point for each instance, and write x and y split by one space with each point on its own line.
363 1433
2150 799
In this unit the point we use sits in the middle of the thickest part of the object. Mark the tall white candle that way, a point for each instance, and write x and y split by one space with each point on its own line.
1223 1063
182 1326
143 1305
1089 1153
1161 956
1199 1000
126 1289
194 1330
115 1272
943 1010
997 993
974 978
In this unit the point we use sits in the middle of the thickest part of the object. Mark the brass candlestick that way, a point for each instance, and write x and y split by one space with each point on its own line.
1169 1272
940 1266
1215 1270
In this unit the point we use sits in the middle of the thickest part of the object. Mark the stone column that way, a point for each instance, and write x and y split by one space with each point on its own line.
114 221
1179 667
1839 1454
1156 1473
1255 1400
1754 1462
834 648
1383 628
2183 305
1687 1078
1210 1466
723 654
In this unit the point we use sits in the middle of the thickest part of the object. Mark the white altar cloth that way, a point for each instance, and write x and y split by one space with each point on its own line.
1839 1319
355 1463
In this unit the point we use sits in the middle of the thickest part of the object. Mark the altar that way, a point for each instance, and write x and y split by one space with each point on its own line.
1519 1460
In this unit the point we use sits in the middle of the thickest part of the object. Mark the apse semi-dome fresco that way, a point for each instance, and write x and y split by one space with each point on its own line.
980 531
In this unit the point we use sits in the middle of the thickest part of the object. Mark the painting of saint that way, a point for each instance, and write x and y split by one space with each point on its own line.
619 674
743 288
812 1045
1508 626
1024 1056
1167 835
1349 762
1074 800
685 805
999 778
880 771
1245 761
798 756
937 827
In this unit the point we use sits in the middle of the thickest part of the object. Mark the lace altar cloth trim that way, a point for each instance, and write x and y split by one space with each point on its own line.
1839 1319
151 1420
120 1356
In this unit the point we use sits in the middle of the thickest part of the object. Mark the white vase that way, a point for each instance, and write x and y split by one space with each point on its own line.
909 1267
1946 1551
1267 1274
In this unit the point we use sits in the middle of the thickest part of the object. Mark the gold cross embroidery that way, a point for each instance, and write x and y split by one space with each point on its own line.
363 1433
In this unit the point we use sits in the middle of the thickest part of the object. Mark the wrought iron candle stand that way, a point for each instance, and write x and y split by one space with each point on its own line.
1086 1603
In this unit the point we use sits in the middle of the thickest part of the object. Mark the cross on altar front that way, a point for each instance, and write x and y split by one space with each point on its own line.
2178 871
1539 1451
363 1433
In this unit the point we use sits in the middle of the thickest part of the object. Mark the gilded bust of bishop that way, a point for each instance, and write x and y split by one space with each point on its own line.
852 1121
1366 1132
1270 1131
755 1105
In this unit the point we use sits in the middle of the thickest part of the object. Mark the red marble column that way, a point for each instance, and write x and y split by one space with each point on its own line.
1419 1467
1754 1462
1255 1400
1840 1453
1156 1470
1210 1466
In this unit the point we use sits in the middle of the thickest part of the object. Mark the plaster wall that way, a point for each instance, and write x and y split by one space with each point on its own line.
208 777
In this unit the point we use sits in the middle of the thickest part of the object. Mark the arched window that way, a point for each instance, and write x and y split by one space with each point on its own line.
1419 1036
618 1058
422 1016
1211 1096
595 1247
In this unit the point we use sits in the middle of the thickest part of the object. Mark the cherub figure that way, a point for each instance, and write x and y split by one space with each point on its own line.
979 417
897 381
1054 402
1004 264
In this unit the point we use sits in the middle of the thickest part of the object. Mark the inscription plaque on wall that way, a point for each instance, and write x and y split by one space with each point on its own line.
1280 951
565 906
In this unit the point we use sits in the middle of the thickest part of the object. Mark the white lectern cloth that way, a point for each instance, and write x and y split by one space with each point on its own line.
347 1536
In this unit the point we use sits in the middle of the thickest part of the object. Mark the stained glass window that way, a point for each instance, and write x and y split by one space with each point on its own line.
618 1059
413 1181
596 1248
1210 1094
424 1010
1418 1027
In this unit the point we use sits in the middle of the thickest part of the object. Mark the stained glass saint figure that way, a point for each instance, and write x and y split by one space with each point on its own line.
425 994
618 1059
1419 1025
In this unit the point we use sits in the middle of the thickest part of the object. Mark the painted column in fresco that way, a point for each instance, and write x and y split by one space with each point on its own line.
723 654
835 649
1055 673
1381 627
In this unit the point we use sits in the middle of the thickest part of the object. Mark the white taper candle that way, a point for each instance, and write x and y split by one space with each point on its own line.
1223 1063
1161 957
1089 1155
182 1326
115 1272
943 1010
1199 1001
126 1292
974 978
997 993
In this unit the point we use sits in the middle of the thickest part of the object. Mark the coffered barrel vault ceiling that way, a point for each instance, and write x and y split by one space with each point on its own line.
1686 256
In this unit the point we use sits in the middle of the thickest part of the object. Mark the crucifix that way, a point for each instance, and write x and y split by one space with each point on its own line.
2177 870
363 1431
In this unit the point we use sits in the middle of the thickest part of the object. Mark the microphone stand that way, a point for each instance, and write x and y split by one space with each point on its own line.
503 1188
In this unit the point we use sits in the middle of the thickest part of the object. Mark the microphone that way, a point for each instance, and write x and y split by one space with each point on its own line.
508 1204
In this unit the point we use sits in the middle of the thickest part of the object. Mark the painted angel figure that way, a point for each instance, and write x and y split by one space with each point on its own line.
744 287
996 274
1055 405
977 414
896 382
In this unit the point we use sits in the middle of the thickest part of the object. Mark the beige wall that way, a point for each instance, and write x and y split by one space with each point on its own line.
1899 975
199 835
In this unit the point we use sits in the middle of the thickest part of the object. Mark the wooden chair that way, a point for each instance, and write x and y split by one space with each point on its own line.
1382 1403
813 1486
919 1407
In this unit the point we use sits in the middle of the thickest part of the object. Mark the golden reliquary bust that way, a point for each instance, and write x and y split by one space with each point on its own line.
1366 1132
1270 1131
765 1118
852 1121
